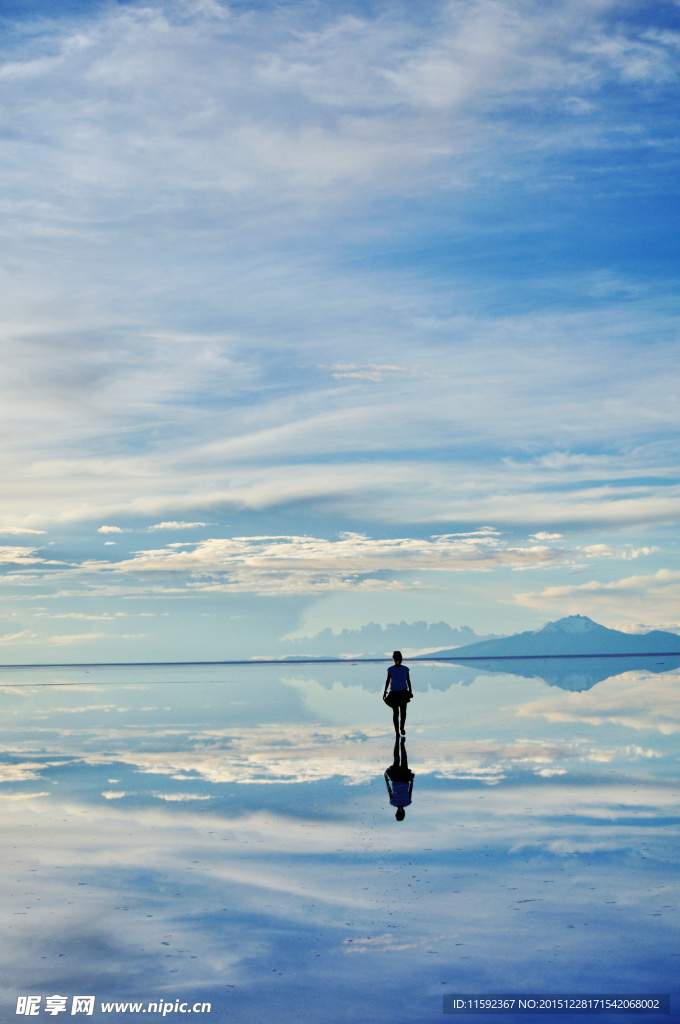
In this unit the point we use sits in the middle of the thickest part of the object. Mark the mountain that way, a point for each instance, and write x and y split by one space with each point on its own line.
573 635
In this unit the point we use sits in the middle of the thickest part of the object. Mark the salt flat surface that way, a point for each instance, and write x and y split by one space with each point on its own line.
224 834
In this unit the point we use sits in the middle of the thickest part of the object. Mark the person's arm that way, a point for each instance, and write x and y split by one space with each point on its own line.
387 683
408 680
410 788
389 788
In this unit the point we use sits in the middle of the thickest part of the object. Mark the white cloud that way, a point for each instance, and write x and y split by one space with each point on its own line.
175 525
375 372
301 564
648 597
453 489
638 60
18 556
23 636
646 627
104 617
110 529
66 639
19 529
290 564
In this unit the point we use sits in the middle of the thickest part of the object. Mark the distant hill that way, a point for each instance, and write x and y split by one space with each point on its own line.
575 634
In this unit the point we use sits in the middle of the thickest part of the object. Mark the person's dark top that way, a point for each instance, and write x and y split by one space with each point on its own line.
398 676
399 779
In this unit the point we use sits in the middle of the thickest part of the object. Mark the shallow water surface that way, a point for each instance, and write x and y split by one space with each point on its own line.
224 834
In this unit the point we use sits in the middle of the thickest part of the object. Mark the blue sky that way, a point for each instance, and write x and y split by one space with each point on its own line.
317 315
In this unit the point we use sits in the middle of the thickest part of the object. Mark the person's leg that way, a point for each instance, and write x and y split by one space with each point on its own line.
395 719
403 719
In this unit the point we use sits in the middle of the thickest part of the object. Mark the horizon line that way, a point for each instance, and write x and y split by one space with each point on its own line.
338 661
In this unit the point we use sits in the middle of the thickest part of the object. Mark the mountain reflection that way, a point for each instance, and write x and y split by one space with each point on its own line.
399 780
569 673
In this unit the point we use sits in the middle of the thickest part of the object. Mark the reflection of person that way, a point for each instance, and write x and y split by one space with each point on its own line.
399 779
398 683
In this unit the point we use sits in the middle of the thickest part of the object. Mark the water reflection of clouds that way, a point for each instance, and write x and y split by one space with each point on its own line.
23 796
21 772
145 899
196 845
297 754
636 701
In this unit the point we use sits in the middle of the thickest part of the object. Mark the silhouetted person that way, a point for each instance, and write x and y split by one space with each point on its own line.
398 692
399 779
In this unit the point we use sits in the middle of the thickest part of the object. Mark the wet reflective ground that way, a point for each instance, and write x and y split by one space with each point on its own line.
225 834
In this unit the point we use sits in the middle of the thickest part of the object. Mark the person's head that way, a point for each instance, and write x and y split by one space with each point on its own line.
396 657
401 814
